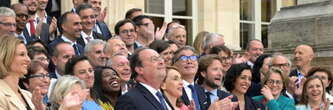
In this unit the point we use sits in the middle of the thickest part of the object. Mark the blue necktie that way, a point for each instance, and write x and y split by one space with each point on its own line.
162 100
77 52
195 97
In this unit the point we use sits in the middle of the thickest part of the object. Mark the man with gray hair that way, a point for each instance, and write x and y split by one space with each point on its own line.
212 40
178 35
7 21
94 52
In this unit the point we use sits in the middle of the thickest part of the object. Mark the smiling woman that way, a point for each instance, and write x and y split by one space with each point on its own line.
274 82
14 64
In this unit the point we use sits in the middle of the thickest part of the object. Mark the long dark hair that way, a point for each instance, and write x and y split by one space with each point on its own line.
98 92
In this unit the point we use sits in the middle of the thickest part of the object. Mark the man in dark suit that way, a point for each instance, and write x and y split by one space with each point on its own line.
187 63
86 12
149 71
103 29
210 77
71 26
63 51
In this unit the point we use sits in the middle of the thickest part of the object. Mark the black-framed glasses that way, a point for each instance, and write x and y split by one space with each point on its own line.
185 58
22 15
8 24
38 76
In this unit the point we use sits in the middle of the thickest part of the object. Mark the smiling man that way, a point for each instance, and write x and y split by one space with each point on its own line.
7 21
88 17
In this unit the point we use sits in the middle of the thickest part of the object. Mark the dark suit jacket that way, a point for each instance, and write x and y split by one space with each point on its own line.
250 104
95 35
104 29
138 98
201 95
221 94
58 40
254 90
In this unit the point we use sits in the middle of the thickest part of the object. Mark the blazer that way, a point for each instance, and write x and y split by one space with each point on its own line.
58 40
9 100
104 29
221 95
95 35
282 103
250 104
201 95
138 98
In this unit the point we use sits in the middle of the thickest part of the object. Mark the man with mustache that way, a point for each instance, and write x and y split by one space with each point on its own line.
86 13
211 74
71 25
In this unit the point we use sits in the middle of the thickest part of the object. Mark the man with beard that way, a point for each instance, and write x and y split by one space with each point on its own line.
86 12
254 49
21 12
40 25
125 29
71 26
211 74
7 21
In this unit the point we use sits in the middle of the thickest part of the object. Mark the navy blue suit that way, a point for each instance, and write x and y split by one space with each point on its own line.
201 95
104 29
138 98
58 40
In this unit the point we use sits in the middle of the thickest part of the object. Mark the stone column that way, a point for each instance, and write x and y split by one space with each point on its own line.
220 16
300 2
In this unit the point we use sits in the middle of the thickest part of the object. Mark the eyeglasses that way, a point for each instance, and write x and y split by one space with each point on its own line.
8 24
184 58
127 31
277 82
22 15
39 75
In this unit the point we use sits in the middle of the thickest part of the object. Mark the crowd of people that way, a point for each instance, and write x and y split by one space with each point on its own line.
73 62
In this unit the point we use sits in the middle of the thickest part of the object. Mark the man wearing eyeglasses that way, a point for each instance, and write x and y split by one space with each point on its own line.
145 30
125 29
187 63
88 17
7 21
21 12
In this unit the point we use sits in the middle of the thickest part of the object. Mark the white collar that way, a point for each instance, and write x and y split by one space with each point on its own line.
67 40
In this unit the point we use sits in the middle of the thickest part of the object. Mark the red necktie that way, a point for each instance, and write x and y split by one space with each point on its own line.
32 27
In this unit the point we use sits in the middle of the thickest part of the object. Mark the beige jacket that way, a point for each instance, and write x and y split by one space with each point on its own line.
9 101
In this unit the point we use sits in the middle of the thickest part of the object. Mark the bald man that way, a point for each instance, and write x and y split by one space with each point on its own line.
303 55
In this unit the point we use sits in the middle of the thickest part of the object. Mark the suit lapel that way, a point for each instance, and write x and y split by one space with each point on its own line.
150 98
185 98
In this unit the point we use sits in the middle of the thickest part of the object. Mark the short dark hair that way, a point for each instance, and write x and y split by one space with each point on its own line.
257 66
129 13
159 45
233 73
55 51
313 70
138 20
64 18
121 23
135 61
217 49
32 51
83 6
69 67
204 63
